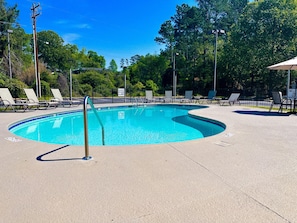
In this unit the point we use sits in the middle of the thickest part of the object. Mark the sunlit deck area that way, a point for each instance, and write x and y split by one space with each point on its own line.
248 173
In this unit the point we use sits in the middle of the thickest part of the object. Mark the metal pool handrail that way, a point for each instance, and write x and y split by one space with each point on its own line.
86 101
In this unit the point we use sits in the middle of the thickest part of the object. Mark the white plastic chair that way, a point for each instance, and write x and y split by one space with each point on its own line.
32 98
8 101
58 97
168 96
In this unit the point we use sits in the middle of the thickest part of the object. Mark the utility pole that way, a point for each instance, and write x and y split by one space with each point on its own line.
35 13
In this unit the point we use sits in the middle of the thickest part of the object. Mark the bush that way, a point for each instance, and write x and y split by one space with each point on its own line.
45 89
16 87
85 89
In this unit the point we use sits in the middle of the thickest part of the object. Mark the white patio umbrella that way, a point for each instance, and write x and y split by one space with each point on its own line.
286 65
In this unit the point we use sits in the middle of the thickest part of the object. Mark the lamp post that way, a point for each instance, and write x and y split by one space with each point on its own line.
125 86
216 32
70 83
125 82
8 46
9 58
174 76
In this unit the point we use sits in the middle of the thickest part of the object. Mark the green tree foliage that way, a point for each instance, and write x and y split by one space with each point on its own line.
166 33
52 51
90 59
265 34
221 14
113 66
19 41
189 32
137 89
14 85
258 34
150 85
8 16
85 90
102 83
94 60
149 67
20 51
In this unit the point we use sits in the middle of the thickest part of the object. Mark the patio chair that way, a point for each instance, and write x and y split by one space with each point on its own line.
32 98
277 99
168 96
149 96
58 98
188 96
8 101
231 100
210 97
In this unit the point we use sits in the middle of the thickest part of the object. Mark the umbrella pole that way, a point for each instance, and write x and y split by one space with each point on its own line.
288 83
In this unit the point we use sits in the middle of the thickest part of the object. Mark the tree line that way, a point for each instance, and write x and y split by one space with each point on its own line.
251 35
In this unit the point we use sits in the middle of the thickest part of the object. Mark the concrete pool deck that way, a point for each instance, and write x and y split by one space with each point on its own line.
248 174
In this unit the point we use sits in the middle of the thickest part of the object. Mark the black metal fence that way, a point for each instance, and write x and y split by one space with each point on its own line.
110 100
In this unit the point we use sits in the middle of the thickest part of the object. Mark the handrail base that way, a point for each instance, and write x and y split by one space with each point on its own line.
87 158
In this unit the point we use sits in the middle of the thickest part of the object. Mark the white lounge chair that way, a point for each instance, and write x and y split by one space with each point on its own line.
149 96
8 101
231 100
58 97
32 98
168 96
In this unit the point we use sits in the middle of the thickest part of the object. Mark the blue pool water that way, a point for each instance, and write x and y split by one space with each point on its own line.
122 126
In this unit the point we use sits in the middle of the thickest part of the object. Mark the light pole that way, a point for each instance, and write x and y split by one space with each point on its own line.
125 86
174 76
216 32
8 46
9 58
125 82
70 83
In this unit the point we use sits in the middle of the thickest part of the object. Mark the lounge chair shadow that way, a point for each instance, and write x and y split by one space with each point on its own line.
262 113
40 158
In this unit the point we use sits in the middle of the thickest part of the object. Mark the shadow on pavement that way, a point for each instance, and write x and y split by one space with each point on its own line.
40 158
262 113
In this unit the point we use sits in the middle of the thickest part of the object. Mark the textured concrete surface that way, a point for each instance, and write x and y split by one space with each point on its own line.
248 174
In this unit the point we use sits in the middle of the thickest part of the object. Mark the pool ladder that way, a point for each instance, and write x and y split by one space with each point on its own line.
86 101
138 102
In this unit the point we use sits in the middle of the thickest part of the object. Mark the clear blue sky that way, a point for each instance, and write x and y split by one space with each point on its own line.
115 29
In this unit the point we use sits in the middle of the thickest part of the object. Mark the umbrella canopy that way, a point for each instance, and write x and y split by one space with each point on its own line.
286 65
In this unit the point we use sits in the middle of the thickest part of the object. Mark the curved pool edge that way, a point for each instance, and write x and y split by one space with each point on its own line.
223 125
32 118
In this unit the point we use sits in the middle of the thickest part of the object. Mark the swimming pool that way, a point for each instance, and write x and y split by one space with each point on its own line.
127 125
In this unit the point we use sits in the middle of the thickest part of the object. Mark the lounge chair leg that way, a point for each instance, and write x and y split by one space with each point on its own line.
270 107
